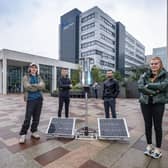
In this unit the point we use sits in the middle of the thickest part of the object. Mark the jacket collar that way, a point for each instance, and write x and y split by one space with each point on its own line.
149 72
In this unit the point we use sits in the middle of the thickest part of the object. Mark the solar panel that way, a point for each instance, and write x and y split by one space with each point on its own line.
112 128
61 127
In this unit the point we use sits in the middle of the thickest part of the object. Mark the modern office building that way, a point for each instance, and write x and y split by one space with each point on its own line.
134 53
106 43
160 52
14 64
97 39
69 36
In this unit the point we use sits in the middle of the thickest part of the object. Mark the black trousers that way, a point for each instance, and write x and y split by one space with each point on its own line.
96 93
109 103
63 100
153 115
33 110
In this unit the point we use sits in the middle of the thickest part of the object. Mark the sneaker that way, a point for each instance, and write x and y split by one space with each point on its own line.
156 155
148 152
35 135
22 139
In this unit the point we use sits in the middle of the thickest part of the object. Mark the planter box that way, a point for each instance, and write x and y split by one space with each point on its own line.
73 94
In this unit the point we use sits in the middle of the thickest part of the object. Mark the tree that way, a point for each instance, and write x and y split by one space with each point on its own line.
137 71
117 75
95 72
75 76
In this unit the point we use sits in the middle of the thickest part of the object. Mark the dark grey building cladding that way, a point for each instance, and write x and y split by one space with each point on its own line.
69 36
120 48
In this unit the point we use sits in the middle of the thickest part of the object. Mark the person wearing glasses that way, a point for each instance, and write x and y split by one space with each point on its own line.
153 88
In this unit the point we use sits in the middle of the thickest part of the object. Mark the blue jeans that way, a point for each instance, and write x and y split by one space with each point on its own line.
109 103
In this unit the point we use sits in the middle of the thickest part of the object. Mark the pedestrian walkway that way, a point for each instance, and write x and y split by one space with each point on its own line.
65 153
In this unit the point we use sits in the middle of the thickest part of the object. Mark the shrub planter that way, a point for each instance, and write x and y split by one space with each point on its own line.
132 90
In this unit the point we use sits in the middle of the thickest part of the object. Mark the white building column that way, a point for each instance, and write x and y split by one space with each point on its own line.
1 77
54 78
21 79
4 76
69 73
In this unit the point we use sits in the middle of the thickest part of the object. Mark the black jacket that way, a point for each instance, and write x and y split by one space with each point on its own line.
110 88
64 86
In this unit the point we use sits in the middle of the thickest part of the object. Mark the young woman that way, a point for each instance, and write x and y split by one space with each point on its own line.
33 86
153 88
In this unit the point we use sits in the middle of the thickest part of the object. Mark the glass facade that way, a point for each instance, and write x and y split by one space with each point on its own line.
46 74
58 74
14 79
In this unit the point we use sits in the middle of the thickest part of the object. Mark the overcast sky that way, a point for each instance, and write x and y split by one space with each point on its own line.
32 25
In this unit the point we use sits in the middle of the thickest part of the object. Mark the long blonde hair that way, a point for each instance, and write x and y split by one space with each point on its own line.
161 67
159 59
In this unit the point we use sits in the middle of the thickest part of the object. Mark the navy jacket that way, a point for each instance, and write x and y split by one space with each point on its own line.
64 87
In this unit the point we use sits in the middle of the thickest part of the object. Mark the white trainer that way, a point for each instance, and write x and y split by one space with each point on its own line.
35 135
22 139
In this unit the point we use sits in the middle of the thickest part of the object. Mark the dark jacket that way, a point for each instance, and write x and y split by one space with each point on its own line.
64 86
156 91
110 88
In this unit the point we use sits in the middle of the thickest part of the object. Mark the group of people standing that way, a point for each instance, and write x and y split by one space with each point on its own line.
152 85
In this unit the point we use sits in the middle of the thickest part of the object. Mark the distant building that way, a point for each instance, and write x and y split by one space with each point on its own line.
103 42
69 36
134 53
160 52
14 65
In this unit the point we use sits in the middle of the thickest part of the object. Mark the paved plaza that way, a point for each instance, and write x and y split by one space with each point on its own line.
67 153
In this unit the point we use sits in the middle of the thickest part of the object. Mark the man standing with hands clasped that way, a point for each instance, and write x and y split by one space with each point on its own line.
110 92
64 86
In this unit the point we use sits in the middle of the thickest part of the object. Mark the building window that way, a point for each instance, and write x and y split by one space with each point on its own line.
88 44
140 46
86 18
108 64
108 23
88 26
134 59
98 52
105 38
13 79
88 35
46 74
130 39
102 27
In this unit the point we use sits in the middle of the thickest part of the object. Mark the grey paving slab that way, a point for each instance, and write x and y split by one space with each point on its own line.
8 160
132 159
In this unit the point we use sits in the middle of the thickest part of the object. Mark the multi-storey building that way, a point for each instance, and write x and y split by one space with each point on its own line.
134 53
97 41
105 43
69 36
